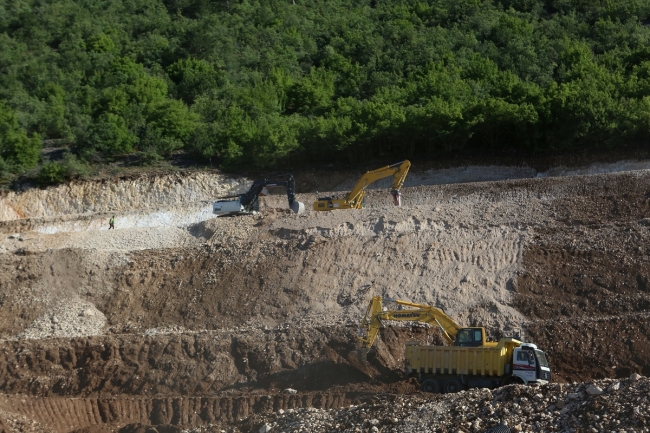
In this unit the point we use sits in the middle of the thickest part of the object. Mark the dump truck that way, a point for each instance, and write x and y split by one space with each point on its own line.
470 361
355 198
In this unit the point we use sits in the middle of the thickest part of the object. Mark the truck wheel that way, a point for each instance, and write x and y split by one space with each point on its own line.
430 385
514 380
453 385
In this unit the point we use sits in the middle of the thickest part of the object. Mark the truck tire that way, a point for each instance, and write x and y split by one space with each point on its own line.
499 429
453 385
430 385
514 380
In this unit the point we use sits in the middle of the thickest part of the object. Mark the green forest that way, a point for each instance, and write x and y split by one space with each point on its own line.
267 84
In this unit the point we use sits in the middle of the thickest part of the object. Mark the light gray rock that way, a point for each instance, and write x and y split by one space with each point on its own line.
614 387
635 377
290 391
265 428
593 390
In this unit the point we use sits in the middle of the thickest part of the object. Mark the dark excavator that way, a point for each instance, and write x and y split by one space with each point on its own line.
248 203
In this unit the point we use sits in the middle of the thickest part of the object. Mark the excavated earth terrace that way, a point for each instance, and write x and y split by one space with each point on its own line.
179 321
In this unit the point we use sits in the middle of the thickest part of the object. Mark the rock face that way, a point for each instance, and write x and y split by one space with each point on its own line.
118 195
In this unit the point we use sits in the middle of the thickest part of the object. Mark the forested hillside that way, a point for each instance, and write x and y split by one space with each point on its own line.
269 83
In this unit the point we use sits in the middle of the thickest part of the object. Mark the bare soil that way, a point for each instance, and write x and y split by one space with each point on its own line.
199 324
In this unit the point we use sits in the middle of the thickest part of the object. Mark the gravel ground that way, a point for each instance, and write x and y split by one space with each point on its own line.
140 238
621 406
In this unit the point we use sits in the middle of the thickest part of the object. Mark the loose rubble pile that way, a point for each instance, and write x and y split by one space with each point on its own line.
71 317
601 406
10 422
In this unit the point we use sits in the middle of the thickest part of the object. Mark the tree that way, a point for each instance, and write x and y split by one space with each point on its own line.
264 83
110 134
17 150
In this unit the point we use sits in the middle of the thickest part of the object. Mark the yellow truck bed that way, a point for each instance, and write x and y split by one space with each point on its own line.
481 361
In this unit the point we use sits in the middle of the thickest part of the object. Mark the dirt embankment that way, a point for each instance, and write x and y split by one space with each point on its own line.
584 283
224 312
169 364
169 414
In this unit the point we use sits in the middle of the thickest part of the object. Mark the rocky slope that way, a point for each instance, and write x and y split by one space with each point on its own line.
183 321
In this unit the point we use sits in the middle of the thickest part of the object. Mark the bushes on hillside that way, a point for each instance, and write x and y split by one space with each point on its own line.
266 83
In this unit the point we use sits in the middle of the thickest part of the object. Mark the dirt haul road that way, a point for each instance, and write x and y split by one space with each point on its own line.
181 321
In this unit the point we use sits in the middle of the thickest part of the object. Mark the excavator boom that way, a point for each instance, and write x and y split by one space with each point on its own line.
398 171
354 199
247 203
375 314
285 180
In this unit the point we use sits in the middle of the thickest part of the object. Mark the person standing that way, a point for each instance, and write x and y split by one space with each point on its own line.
111 223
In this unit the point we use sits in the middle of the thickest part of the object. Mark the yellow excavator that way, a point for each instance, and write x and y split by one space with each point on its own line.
469 362
354 199
455 334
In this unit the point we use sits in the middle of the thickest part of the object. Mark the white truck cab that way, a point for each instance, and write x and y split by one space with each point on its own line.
530 364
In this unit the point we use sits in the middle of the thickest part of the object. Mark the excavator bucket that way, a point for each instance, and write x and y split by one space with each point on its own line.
362 354
397 198
298 207
359 359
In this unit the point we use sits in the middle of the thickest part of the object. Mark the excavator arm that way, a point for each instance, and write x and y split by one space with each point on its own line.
247 203
354 199
375 315
285 180
398 171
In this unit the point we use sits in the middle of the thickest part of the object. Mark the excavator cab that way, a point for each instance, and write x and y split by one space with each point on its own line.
470 337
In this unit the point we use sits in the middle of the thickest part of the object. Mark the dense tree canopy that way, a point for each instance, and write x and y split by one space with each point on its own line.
261 83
